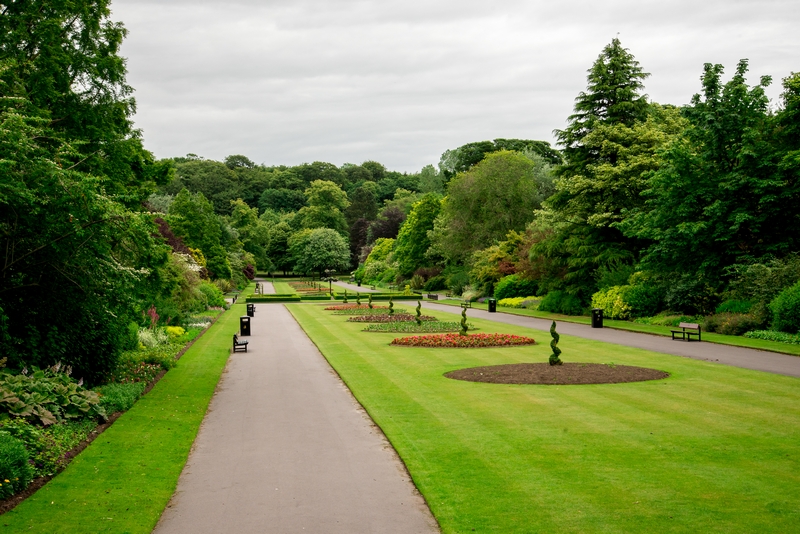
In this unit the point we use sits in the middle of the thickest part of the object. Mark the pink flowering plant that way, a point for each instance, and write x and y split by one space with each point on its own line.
468 341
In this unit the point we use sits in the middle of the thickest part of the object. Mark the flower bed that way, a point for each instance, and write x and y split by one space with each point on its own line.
386 318
376 310
411 327
459 341
353 307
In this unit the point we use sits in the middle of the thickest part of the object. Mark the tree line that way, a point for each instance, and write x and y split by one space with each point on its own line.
655 206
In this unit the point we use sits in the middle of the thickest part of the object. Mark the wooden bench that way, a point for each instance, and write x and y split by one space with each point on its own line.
466 304
687 330
433 296
239 346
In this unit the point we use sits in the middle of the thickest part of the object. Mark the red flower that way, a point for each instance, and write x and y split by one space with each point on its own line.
459 341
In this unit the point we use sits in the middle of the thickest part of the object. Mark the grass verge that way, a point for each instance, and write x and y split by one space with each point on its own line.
711 449
736 341
124 479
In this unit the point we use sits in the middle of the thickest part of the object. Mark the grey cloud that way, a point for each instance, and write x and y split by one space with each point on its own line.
400 82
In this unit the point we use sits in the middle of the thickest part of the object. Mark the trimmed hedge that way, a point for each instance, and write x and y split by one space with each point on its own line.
290 297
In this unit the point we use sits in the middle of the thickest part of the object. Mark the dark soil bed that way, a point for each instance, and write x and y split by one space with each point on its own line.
568 373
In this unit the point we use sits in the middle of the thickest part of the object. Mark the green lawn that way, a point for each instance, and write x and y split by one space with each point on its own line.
124 479
282 286
711 449
737 341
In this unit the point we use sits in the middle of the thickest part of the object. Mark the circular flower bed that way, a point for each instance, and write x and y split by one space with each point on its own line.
386 318
465 342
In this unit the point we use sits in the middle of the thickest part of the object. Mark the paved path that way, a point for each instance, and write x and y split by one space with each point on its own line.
759 360
266 287
285 448
356 289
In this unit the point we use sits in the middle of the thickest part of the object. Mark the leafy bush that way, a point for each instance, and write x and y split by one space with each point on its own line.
771 335
417 282
514 286
457 281
612 302
730 324
154 337
561 302
785 310
518 302
735 306
435 283
214 296
691 296
120 397
15 470
46 396
645 297
174 331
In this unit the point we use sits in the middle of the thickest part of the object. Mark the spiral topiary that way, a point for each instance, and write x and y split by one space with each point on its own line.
370 301
463 330
391 306
419 313
554 358
358 299
344 299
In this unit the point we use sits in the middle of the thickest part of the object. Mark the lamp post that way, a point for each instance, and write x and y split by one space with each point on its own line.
330 281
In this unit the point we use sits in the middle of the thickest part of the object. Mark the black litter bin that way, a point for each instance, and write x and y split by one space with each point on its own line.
251 310
492 305
597 318
244 325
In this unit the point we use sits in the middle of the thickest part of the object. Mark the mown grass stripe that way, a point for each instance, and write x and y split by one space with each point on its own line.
123 481
713 448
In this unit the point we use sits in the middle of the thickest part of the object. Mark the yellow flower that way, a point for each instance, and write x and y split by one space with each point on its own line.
8 480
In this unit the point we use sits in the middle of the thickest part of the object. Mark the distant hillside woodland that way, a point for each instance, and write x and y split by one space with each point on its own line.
645 209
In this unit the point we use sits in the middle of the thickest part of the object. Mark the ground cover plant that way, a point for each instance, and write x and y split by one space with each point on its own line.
711 448
130 472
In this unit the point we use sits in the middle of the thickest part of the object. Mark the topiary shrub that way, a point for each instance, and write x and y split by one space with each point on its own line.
15 470
554 358
561 302
514 286
785 310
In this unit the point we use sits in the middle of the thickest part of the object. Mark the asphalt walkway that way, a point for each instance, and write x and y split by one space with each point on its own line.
285 448
355 288
759 360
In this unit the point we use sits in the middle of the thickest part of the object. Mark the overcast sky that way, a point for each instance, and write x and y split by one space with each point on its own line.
400 82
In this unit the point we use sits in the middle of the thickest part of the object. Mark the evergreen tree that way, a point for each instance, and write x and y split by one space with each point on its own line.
610 143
